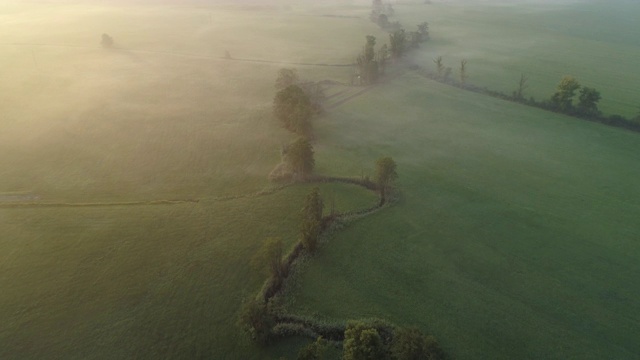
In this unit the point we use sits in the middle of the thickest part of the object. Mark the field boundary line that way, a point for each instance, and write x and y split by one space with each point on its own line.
18 205
180 54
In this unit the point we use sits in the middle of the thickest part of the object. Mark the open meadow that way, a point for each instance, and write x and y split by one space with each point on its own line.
132 178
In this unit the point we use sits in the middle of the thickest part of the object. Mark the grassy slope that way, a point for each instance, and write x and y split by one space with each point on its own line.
595 42
515 236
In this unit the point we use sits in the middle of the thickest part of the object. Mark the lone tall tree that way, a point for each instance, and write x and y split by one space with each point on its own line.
522 86
299 156
385 176
439 66
463 72
293 108
367 64
562 99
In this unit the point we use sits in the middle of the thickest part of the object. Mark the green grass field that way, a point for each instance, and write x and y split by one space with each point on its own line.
515 235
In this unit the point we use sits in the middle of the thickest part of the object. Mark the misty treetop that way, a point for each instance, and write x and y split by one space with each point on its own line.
588 98
368 66
588 101
565 91
299 156
314 90
292 107
286 77
362 342
106 41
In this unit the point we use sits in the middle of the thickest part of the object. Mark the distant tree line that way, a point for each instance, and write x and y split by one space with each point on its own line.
371 64
569 98
381 13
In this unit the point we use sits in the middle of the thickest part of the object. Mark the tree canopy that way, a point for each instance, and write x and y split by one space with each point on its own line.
286 77
362 342
314 351
397 42
412 344
256 319
293 108
588 101
367 63
299 156
565 91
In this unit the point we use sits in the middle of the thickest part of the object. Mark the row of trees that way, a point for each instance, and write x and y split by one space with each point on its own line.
371 64
363 341
257 317
570 97
380 14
